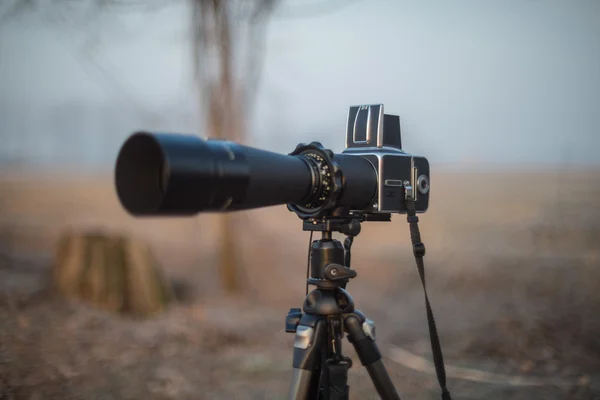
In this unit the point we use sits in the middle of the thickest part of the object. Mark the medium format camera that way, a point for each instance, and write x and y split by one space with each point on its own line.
376 136
175 174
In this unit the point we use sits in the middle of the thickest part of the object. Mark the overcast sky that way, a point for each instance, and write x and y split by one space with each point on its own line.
474 81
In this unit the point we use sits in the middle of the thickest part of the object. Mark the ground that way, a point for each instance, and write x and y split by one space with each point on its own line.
512 265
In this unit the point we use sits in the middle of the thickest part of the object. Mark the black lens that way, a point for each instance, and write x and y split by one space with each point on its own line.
171 174
139 174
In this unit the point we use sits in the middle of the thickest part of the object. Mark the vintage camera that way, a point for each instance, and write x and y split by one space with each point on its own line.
376 136
175 174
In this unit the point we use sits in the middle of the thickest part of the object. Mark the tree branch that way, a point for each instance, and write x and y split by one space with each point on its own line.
256 43
217 28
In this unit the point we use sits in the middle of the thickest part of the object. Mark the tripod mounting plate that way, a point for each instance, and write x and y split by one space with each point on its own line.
347 226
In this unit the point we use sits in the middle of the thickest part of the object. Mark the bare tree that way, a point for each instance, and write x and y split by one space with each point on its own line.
228 38
219 28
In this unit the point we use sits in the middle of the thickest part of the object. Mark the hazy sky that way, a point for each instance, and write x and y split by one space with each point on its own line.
511 81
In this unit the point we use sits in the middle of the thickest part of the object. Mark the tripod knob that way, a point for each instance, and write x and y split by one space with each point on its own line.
293 319
337 272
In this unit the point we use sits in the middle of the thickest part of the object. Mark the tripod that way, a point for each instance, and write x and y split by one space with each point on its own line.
320 371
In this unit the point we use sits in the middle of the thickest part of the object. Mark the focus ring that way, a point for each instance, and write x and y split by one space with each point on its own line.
327 180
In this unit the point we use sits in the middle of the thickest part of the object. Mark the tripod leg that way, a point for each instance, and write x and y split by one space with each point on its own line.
336 380
309 342
369 356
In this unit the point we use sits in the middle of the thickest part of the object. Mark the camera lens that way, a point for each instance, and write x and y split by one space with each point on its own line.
423 184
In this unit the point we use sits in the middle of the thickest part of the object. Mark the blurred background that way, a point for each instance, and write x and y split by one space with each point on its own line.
503 98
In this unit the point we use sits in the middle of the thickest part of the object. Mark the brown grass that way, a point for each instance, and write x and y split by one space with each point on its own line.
512 262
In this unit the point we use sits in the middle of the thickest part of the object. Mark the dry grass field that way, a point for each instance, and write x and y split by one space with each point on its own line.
513 262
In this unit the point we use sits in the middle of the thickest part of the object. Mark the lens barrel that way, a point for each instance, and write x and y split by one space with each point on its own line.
174 174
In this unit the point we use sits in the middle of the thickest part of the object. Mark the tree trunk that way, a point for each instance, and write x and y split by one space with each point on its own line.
223 111
225 99
114 273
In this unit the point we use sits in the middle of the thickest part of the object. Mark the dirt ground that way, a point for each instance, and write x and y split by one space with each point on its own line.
512 264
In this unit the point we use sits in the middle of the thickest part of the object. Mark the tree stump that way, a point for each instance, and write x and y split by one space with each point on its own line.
112 272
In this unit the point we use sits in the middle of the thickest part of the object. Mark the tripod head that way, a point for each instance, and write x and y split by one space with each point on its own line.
330 262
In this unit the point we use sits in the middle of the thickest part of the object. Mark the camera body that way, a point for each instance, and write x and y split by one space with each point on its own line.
376 136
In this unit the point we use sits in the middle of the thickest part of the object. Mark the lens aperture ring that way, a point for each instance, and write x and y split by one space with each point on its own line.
327 180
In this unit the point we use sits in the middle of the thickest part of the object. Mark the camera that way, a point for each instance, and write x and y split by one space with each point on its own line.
166 174
376 136
177 174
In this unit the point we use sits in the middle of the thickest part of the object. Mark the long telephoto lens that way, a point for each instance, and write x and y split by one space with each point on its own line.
173 174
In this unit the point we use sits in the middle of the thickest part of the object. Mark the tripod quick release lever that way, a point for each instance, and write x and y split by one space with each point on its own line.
337 272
